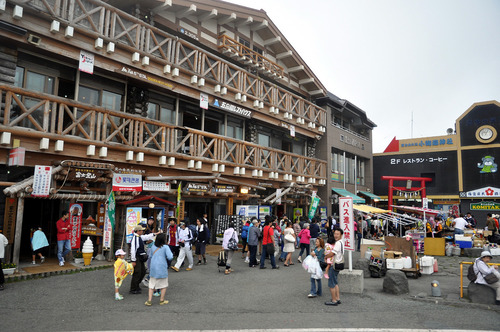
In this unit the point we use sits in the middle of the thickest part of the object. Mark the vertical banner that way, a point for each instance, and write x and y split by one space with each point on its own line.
41 181
133 218
204 101
86 63
9 219
179 192
109 223
347 222
314 207
75 218
278 195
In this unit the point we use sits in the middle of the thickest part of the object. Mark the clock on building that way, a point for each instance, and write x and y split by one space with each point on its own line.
486 134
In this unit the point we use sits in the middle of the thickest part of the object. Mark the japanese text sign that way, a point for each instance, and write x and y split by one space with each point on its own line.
127 182
347 222
75 218
41 181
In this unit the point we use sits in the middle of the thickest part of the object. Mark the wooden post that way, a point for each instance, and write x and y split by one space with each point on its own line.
19 228
229 207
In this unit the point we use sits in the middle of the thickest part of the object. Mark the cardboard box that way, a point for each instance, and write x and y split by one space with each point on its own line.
376 253
487 233
392 254
479 243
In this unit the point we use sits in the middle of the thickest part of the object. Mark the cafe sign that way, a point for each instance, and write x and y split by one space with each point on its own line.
485 206
85 174
197 187
224 189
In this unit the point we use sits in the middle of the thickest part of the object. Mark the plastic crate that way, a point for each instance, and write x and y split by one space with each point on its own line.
394 264
427 270
464 244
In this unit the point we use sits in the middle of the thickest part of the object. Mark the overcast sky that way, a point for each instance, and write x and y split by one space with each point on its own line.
392 58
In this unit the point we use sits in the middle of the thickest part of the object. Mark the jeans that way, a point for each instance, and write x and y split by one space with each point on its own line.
253 255
63 244
312 244
263 257
358 236
302 247
457 231
316 290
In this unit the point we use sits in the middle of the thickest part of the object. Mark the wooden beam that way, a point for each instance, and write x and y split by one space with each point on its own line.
208 16
186 12
272 41
248 21
284 55
295 69
227 19
19 228
261 25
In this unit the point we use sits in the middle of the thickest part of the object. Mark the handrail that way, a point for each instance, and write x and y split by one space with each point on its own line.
232 45
48 114
462 275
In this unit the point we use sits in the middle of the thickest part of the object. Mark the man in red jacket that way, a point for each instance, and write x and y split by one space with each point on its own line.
268 238
63 231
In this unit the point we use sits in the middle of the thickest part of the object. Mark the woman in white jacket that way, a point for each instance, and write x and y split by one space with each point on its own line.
229 234
481 269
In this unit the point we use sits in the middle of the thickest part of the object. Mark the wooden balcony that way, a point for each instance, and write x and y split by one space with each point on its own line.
31 114
96 19
250 57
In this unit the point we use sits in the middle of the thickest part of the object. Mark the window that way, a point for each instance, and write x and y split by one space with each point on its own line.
263 140
258 50
244 42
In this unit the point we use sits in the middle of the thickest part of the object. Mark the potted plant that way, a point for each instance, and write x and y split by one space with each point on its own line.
8 268
78 256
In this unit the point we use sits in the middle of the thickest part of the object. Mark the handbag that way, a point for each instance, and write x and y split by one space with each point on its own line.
323 265
270 248
232 244
289 238
491 278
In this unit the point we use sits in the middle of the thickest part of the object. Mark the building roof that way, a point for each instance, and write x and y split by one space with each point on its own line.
345 105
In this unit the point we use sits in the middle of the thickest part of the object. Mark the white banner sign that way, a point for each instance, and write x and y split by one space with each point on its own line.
127 182
86 62
347 222
204 101
155 186
41 181
278 194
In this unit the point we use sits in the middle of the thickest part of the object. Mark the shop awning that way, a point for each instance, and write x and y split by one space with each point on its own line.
418 210
369 195
342 192
369 209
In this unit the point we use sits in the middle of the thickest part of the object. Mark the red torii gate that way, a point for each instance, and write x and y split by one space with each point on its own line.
391 180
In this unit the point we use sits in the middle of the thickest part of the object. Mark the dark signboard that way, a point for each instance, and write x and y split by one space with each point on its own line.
480 117
480 168
440 166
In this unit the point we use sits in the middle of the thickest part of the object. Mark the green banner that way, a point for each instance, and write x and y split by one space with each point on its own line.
314 207
179 196
111 209
485 206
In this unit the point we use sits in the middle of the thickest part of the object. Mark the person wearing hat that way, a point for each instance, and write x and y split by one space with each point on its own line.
136 248
122 269
185 240
482 269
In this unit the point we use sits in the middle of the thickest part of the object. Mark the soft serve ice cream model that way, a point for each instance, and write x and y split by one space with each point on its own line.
87 251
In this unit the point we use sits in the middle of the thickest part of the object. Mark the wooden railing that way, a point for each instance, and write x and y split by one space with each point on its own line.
23 111
98 19
247 55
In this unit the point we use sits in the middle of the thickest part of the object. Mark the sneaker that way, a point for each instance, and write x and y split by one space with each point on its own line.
199 263
227 272
175 269
138 291
311 296
33 262
61 263
247 260
163 302
276 267
331 303
148 303
338 302
300 259
63 260
118 297
263 267
189 269
156 294
42 260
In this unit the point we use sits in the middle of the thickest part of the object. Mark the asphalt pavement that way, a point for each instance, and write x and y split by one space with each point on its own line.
248 298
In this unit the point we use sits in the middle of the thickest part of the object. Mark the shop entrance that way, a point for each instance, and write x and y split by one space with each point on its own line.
195 210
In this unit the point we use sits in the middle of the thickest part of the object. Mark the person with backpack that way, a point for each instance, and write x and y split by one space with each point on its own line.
244 238
492 227
230 245
185 241
201 241
138 257
482 273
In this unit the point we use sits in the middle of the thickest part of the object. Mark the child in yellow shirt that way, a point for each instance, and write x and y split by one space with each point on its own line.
122 269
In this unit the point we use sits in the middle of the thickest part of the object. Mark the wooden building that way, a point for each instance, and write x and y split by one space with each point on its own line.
204 95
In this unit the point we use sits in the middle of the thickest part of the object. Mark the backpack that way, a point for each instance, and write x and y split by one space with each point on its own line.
244 231
194 233
221 260
471 275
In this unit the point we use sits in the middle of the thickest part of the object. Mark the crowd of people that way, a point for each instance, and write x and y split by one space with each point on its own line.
156 251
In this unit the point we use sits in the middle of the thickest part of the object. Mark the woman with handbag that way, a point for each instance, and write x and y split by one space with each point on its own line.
160 255
487 275
289 247
230 245
319 253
